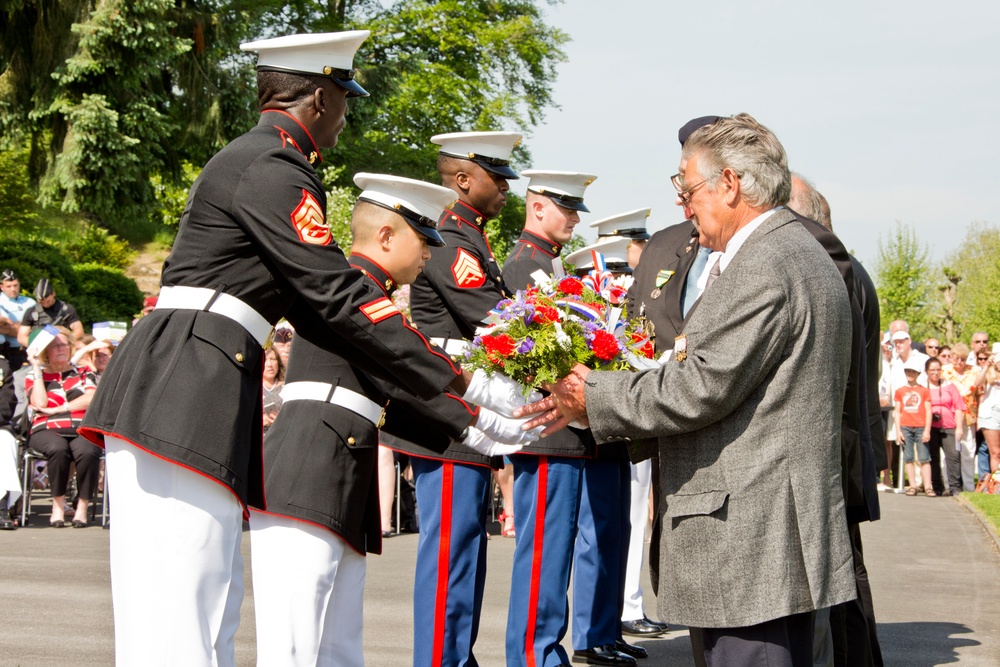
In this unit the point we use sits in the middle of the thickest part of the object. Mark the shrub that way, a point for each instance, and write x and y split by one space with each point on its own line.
98 246
105 294
33 259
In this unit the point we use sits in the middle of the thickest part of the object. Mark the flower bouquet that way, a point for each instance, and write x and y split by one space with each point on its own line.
538 336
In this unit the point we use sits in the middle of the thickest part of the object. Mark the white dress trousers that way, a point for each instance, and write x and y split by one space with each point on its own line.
176 567
308 588
639 515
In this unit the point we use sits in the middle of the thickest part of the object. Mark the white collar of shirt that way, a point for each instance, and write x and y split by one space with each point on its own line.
734 245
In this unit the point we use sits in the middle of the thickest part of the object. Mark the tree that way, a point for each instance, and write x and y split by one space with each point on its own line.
903 278
977 263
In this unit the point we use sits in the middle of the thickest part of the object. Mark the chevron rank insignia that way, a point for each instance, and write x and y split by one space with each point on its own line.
309 221
467 271
379 309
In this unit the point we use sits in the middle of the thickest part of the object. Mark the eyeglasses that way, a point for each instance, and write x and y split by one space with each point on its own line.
933 347
682 192
984 341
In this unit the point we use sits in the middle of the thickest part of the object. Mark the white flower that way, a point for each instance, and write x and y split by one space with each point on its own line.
565 342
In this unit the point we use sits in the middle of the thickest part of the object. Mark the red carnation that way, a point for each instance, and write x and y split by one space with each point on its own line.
604 345
500 345
571 286
546 314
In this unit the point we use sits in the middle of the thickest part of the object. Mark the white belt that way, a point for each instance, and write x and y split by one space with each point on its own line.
452 346
327 393
196 298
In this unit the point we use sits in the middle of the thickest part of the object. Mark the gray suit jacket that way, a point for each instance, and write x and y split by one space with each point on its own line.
749 436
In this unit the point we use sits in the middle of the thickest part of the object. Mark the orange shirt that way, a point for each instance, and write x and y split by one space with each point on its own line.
912 403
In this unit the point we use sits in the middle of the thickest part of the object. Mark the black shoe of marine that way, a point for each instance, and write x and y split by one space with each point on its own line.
604 655
641 628
638 652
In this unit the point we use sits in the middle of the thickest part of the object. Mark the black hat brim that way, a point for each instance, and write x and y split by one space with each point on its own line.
500 170
433 238
352 87
571 205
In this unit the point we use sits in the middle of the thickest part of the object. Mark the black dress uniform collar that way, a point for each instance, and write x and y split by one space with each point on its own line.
466 214
545 245
292 133
371 269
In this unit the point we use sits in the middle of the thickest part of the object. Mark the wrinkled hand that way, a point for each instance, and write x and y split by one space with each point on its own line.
497 393
505 431
478 441
565 403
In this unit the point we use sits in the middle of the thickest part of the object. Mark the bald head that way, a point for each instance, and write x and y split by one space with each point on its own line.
807 201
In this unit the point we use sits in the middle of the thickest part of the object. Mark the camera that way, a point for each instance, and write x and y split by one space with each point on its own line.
936 416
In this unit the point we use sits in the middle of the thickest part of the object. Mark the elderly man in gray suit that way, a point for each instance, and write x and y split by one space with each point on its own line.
746 413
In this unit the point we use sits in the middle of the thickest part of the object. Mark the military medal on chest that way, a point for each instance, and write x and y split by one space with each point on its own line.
661 279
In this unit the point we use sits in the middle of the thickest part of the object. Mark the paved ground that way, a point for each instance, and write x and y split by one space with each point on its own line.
934 570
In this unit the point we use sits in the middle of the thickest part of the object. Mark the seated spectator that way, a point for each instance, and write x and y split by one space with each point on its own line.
274 380
93 355
13 306
48 310
989 404
963 376
10 483
947 424
59 393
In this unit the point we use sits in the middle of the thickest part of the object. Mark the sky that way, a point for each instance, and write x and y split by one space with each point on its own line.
890 108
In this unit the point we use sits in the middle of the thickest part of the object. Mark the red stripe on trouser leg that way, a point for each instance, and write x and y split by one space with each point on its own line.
444 558
536 559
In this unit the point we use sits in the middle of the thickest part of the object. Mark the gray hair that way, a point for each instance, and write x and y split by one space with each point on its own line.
809 202
748 148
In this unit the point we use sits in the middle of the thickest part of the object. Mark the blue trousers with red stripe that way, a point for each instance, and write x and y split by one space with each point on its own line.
451 561
600 554
546 501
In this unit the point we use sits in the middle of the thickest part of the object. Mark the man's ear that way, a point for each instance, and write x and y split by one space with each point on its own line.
730 183
538 209
319 100
464 181
384 236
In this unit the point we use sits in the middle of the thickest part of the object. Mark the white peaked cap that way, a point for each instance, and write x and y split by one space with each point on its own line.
490 150
630 225
325 54
614 249
420 203
566 188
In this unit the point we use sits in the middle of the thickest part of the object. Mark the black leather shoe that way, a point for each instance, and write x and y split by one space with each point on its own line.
5 521
623 646
604 655
659 624
641 628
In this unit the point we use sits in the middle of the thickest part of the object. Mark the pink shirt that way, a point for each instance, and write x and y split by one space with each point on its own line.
945 400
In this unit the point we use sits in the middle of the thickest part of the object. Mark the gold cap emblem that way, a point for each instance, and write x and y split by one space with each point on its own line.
328 70
589 181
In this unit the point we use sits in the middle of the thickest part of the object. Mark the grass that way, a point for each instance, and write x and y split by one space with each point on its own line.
986 504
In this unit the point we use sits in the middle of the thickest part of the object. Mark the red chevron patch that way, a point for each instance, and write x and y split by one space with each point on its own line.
310 222
378 310
467 271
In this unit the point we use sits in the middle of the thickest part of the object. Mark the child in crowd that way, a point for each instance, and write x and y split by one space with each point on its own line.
913 426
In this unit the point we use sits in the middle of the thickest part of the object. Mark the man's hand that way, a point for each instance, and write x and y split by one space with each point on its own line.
497 393
503 430
566 402
477 441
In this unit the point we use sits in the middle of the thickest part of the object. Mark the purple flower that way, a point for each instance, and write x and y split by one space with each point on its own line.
526 346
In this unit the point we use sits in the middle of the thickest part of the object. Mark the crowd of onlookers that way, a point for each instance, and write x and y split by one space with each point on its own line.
941 406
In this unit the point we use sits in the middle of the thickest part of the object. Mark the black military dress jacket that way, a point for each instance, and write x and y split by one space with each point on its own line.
186 384
321 459
532 253
458 287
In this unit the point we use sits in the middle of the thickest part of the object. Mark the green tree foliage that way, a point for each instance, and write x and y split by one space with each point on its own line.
977 263
97 246
903 277
16 199
113 95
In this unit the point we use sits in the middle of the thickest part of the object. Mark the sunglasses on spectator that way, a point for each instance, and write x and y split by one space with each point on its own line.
981 358
933 347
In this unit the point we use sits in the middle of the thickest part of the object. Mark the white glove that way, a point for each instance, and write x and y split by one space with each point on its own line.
505 431
477 441
497 393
